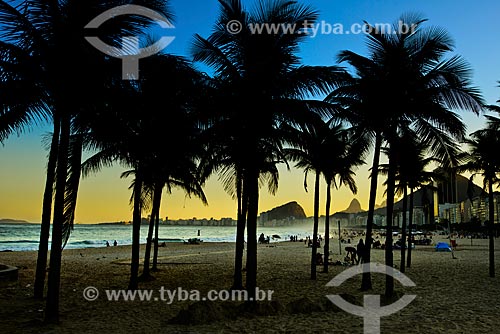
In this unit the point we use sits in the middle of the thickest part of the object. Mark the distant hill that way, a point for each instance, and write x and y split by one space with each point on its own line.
457 190
354 207
292 209
14 221
448 192
116 223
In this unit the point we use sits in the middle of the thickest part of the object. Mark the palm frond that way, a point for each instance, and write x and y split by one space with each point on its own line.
72 186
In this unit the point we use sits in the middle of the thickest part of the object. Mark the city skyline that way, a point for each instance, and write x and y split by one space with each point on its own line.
105 197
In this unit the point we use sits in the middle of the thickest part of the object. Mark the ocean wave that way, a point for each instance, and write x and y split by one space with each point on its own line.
88 242
19 242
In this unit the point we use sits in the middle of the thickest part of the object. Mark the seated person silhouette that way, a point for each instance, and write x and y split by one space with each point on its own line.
319 258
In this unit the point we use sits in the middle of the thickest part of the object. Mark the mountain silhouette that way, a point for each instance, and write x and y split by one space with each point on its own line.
354 207
292 209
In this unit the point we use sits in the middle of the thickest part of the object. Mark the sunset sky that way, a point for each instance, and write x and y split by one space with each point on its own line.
105 197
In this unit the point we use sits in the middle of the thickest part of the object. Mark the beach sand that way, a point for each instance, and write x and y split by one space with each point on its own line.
453 295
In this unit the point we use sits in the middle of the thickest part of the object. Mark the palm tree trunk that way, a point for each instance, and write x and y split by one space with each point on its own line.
253 208
491 210
43 246
403 231
327 226
315 226
147 256
52 309
157 227
136 232
389 260
410 229
240 233
366 283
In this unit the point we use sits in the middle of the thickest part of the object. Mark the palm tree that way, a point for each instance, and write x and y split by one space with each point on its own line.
19 73
323 148
483 159
418 177
352 151
43 34
126 142
183 176
265 85
170 171
156 195
172 165
407 82
224 157
161 146
494 122
411 162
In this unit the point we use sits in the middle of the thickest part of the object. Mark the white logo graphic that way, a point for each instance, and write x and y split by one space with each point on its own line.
130 53
371 311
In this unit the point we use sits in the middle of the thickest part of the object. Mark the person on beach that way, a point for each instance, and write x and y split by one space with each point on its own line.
107 243
360 249
115 243
351 254
319 258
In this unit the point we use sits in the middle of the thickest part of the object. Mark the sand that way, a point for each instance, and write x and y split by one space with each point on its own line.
453 295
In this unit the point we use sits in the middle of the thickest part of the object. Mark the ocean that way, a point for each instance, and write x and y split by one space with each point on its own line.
25 237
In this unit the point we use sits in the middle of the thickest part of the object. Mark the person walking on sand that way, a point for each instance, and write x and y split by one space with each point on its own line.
107 243
115 243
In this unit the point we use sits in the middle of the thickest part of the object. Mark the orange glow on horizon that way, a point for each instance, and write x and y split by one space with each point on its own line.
105 197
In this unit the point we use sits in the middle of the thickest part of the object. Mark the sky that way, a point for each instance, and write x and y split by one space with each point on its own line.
105 197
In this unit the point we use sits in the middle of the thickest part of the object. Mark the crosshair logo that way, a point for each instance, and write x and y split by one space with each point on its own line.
130 52
371 311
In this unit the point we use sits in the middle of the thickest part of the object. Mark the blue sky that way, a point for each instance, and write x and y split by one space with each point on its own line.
472 24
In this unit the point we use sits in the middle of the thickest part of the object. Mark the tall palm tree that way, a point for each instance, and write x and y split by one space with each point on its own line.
20 73
340 171
418 177
170 170
482 158
264 84
323 148
160 145
410 174
174 155
156 178
43 34
225 158
406 81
